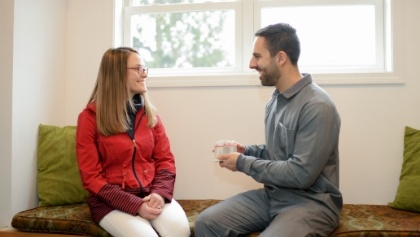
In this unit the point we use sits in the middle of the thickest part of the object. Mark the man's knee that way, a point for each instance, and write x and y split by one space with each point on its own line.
203 220
206 224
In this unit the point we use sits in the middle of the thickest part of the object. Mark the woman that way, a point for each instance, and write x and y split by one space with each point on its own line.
124 155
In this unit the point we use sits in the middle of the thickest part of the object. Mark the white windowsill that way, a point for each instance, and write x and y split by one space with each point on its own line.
251 79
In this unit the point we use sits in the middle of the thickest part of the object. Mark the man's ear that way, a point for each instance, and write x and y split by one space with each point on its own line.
281 57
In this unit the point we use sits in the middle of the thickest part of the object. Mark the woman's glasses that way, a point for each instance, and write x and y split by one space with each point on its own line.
141 69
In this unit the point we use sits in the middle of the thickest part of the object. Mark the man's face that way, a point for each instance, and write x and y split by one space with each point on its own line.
264 64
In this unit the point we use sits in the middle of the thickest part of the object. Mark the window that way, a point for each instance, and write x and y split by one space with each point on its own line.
201 42
184 37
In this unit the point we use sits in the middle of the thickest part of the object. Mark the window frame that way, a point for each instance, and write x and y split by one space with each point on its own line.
236 6
380 26
242 75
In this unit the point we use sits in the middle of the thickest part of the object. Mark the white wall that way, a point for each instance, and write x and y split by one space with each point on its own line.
89 35
56 49
6 74
34 93
373 120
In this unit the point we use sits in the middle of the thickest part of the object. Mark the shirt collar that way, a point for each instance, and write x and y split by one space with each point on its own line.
298 86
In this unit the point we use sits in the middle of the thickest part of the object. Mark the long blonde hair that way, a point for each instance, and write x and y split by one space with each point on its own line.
111 94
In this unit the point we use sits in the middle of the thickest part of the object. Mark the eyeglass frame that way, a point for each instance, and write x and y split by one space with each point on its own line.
139 68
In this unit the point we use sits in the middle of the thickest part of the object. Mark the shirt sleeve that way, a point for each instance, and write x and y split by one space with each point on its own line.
314 141
256 151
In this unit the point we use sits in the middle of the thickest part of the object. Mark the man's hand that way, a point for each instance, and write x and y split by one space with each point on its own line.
229 160
240 148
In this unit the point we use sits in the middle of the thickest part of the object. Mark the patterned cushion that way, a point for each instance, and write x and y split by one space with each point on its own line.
377 220
66 219
356 220
195 207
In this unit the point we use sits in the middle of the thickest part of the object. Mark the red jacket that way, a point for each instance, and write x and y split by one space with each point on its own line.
117 171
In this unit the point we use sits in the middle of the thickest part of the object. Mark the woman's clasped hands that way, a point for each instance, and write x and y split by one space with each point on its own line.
152 206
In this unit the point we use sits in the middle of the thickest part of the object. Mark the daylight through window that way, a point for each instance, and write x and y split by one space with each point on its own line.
186 38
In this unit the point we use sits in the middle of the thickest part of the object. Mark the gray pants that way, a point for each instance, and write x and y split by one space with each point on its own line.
255 211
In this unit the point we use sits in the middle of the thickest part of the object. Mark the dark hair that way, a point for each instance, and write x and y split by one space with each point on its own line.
281 37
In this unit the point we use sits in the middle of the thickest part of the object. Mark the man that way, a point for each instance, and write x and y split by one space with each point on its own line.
299 162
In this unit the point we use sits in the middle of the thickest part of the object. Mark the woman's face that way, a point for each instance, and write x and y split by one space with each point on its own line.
136 76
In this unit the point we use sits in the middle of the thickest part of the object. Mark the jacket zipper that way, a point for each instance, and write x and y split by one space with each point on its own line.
134 155
123 182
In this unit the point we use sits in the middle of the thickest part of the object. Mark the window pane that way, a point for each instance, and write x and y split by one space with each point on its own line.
185 39
330 35
151 2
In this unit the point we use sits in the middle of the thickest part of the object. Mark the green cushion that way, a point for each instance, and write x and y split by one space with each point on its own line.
58 177
408 192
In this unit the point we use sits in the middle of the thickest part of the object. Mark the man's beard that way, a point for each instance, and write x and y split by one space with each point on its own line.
270 77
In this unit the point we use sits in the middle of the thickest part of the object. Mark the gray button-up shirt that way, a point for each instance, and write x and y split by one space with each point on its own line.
299 160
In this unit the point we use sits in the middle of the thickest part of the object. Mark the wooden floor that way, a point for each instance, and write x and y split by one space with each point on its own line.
11 232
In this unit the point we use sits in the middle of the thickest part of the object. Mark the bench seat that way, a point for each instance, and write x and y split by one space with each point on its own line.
356 220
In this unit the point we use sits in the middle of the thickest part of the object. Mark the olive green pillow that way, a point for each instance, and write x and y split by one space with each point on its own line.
58 178
408 192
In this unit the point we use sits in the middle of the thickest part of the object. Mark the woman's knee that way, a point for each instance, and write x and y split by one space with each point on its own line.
118 223
172 221
173 228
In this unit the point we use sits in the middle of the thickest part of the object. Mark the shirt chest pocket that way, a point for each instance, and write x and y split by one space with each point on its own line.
283 141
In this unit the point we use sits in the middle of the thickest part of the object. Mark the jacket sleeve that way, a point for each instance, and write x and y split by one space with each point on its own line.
91 169
87 152
115 197
163 184
164 180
